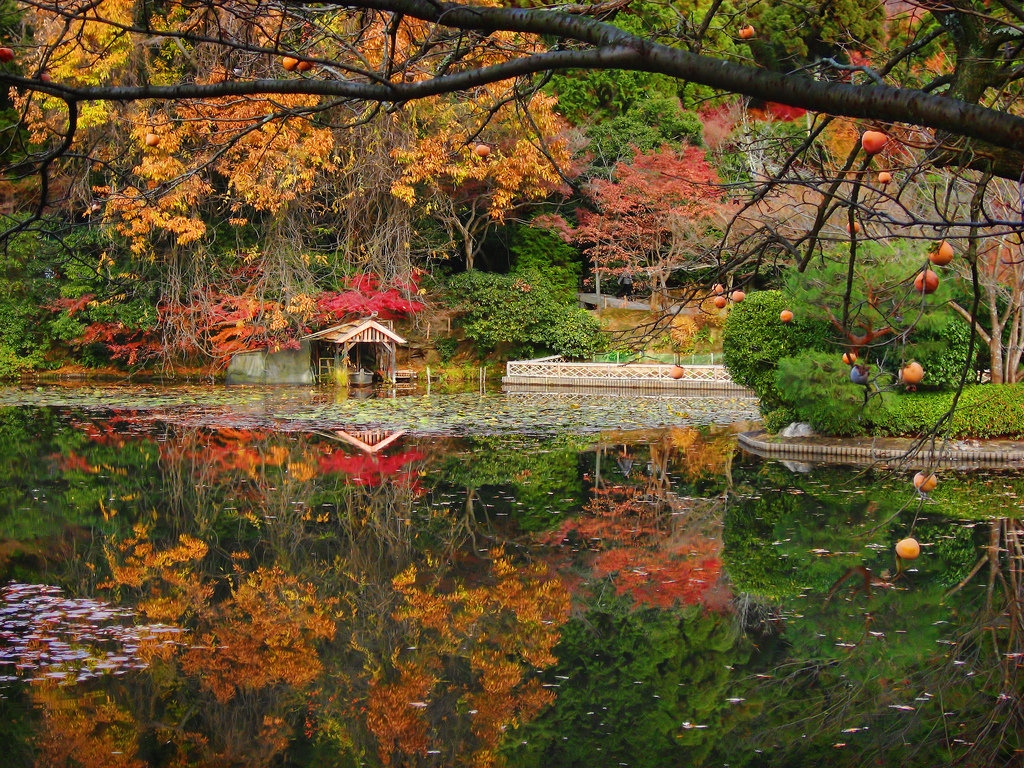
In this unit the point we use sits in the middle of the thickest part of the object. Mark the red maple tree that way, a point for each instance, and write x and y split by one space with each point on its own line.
655 216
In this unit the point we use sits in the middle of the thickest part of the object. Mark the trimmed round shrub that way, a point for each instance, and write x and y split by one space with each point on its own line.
755 339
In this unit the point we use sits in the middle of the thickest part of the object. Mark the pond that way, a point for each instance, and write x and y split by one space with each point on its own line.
204 577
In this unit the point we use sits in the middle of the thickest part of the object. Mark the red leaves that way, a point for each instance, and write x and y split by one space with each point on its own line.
372 470
132 345
648 213
365 296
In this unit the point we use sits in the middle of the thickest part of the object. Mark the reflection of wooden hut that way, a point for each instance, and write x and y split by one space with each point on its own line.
369 440
364 345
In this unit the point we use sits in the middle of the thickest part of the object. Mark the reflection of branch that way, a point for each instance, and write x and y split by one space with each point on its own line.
974 572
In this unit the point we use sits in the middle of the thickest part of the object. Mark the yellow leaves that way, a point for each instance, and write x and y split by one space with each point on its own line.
134 560
395 712
405 579
404 192
516 171
86 48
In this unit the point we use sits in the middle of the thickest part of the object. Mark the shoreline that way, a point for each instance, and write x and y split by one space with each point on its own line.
897 451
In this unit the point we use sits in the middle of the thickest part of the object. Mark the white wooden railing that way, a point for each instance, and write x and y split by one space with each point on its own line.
556 367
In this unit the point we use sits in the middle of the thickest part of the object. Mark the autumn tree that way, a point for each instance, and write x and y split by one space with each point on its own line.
471 177
657 216
927 84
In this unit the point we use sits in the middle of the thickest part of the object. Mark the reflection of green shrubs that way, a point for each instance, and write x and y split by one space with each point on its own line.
793 532
751 559
625 681
536 482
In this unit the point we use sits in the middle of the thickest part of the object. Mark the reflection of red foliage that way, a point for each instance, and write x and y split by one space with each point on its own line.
657 579
107 431
371 470
72 462
657 557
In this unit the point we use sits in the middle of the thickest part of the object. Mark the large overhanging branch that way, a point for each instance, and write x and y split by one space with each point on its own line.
611 48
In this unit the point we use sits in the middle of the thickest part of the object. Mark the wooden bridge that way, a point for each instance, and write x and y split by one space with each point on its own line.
556 372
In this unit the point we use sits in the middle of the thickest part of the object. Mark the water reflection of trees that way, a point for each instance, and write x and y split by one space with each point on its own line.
911 667
326 612
409 606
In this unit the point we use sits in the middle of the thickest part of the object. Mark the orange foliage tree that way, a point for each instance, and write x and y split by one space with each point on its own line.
528 155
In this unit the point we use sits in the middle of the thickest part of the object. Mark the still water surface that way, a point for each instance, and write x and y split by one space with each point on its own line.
287 578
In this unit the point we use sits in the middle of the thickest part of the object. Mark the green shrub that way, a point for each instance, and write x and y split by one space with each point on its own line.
989 410
576 333
522 314
984 411
446 347
817 387
755 339
13 364
779 419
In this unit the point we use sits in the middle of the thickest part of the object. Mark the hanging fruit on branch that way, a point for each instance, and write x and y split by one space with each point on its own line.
738 296
908 549
482 150
677 372
912 374
942 255
849 358
721 301
747 32
6 55
873 141
884 177
786 316
926 281
925 483
152 140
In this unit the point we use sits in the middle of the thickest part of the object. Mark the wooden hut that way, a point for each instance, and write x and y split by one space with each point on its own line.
366 345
